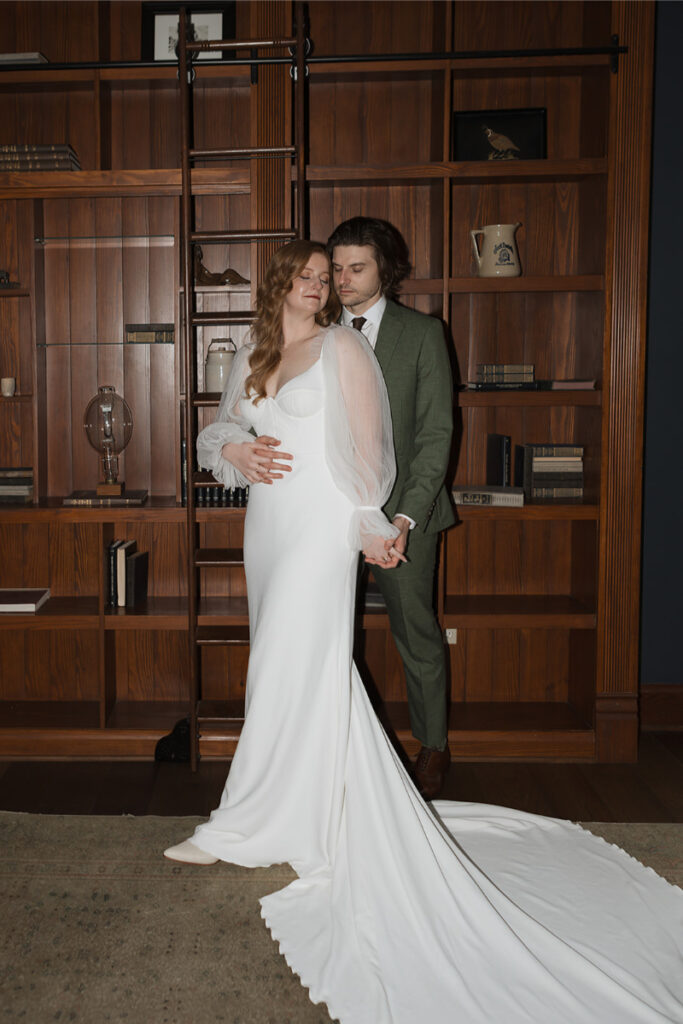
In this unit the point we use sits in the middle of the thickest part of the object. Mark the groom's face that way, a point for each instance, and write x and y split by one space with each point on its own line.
356 277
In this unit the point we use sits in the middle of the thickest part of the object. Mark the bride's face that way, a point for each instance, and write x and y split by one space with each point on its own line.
311 287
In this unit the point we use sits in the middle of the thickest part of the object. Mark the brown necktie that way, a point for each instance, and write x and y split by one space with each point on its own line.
357 323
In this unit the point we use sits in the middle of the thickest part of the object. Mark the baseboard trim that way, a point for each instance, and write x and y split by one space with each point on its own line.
661 707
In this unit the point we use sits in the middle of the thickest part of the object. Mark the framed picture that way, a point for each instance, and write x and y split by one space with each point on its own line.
209 20
499 134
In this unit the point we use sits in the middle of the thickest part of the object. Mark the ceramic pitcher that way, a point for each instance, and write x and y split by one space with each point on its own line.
497 254
218 363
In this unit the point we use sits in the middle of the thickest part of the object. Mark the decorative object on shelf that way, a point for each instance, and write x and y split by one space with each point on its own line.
108 424
23 599
7 386
150 334
514 134
5 281
218 363
207 20
204 276
497 256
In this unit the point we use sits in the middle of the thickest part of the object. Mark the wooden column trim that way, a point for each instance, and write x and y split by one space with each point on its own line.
626 306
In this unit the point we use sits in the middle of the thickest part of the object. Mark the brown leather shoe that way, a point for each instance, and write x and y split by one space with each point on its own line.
430 771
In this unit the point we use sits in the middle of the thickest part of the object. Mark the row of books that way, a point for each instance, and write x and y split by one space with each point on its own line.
520 377
214 495
127 573
543 473
34 157
16 485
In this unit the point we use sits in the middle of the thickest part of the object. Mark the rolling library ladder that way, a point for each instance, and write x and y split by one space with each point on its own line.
265 238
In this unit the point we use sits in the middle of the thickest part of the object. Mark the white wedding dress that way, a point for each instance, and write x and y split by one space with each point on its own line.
402 912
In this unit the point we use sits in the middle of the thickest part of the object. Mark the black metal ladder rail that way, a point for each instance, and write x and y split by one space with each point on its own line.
202 558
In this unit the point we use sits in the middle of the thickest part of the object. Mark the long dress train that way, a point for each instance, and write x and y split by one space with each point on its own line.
405 912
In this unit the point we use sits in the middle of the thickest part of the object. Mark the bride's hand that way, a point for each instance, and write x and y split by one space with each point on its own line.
256 460
381 552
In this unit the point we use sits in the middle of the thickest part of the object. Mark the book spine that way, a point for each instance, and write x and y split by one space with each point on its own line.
566 450
557 492
111 573
560 479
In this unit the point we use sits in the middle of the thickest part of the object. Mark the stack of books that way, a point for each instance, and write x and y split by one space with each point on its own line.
550 472
127 572
501 376
38 157
16 485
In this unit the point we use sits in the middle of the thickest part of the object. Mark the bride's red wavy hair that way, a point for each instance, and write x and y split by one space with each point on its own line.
286 264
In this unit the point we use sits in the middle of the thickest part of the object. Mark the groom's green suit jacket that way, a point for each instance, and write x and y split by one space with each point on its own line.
412 353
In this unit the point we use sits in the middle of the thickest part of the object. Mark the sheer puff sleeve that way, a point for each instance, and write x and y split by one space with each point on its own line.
229 426
359 445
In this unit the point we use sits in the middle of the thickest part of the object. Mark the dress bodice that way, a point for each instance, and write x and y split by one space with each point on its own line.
293 415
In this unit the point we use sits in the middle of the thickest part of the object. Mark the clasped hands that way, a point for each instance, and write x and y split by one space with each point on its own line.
256 460
388 553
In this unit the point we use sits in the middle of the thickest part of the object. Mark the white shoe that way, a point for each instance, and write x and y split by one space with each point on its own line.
188 853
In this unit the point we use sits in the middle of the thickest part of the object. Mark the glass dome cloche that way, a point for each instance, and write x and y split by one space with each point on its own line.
108 423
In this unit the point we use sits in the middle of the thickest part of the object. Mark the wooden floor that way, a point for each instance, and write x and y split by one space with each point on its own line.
651 790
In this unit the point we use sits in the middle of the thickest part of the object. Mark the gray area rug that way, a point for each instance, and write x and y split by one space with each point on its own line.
98 927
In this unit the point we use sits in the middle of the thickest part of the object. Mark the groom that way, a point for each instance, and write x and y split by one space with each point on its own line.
369 261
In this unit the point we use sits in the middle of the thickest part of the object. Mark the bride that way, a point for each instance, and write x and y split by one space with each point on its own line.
402 911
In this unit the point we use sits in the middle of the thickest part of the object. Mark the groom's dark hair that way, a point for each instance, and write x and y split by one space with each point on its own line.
391 251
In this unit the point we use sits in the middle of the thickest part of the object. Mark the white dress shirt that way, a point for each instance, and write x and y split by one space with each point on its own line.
373 318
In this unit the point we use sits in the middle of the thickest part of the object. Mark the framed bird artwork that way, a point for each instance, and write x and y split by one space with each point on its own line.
515 134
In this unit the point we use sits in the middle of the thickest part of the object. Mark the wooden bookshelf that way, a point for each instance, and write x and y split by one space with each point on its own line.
544 598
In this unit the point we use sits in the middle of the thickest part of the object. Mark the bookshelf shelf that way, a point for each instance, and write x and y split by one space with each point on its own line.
547 283
467 173
479 399
155 613
48 714
531 512
57 613
525 611
164 182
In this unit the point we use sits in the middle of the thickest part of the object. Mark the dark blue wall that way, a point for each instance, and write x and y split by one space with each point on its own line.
662 594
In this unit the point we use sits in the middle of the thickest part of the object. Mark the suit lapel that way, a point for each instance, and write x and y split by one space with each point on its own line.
390 330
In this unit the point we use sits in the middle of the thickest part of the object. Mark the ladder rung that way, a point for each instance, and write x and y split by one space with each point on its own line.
217 319
222 636
241 154
242 44
238 236
206 557
220 711
205 399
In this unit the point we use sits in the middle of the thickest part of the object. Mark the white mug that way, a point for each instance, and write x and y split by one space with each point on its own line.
7 386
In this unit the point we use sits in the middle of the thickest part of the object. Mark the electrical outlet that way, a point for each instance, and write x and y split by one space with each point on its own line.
450 636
